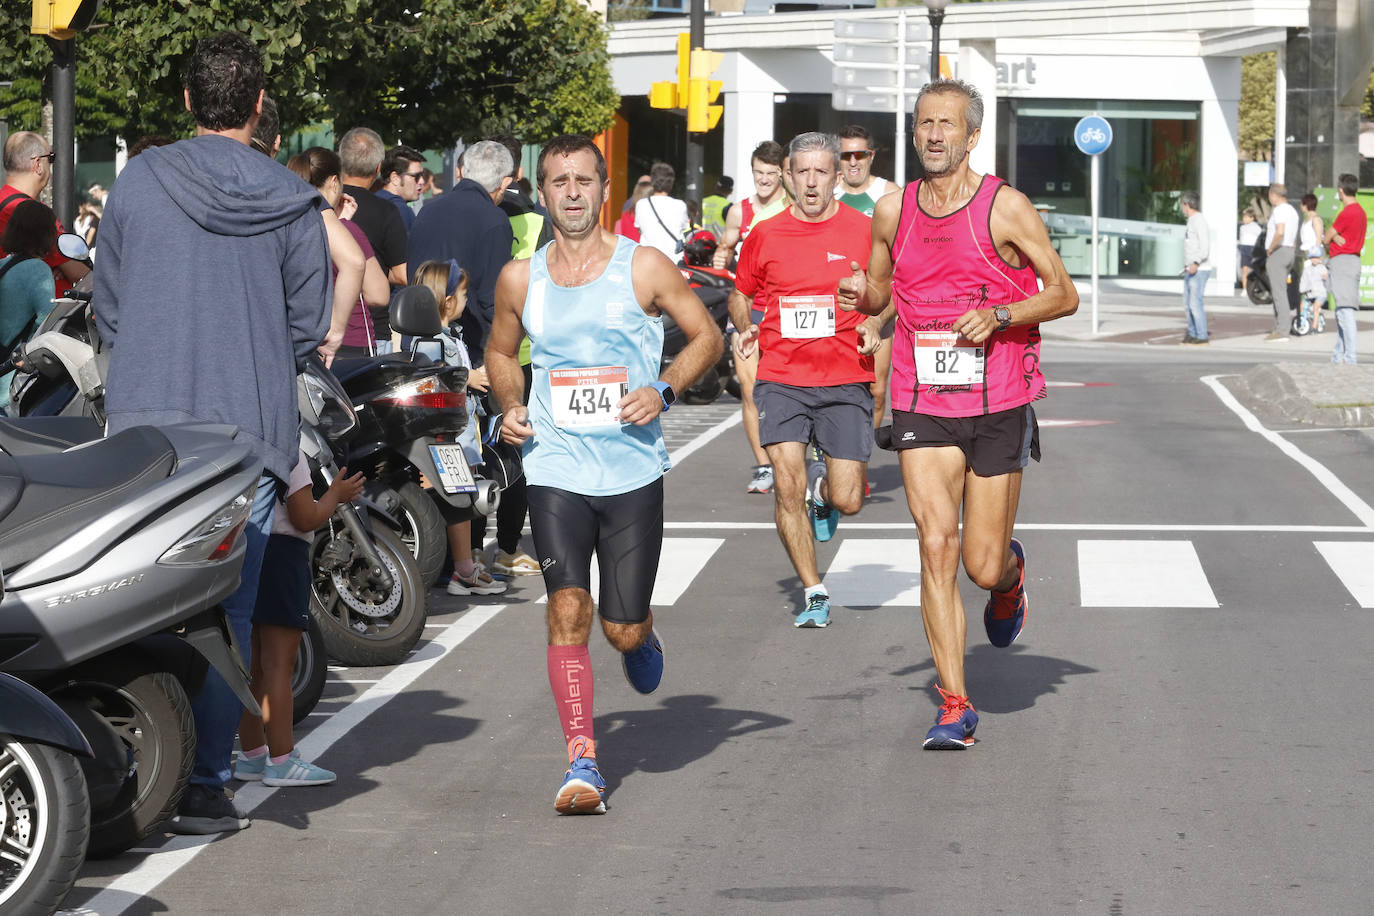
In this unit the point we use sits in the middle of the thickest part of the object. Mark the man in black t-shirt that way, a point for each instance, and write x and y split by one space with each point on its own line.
360 152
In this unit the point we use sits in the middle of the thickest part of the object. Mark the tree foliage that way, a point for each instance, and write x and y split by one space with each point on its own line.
1257 83
424 73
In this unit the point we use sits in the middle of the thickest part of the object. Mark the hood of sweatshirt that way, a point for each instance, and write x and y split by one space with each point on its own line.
229 188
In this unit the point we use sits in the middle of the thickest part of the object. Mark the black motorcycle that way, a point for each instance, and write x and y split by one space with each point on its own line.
713 288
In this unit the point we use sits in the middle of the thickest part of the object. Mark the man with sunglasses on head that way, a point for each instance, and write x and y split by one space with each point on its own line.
28 169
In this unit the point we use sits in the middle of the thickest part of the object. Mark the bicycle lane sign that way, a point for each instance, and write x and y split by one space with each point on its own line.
1092 135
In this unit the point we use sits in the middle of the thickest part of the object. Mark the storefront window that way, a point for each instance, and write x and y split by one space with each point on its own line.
1152 159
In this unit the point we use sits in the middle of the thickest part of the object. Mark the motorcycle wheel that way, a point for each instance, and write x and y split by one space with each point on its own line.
45 822
1257 292
139 724
363 626
308 676
423 531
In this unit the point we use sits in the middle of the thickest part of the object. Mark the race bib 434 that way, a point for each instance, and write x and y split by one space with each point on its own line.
588 397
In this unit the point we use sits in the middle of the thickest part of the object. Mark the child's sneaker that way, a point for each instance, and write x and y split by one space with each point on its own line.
479 583
249 769
515 564
293 771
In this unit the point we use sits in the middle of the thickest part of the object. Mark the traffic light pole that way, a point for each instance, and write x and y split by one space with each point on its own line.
62 79
696 146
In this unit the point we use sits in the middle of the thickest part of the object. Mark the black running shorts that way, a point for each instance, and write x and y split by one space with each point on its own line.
839 416
625 531
993 444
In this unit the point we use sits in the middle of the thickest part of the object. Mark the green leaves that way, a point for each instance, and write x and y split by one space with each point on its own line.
426 72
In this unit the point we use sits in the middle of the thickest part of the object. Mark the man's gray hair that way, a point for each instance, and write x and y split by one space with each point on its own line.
973 111
487 162
1191 200
21 148
815 142
360 152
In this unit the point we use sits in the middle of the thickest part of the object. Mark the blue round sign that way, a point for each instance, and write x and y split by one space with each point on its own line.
1092 135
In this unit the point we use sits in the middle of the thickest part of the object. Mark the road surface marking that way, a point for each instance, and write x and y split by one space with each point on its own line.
681 561
1047 526
700 441
1353 563
1142 574
868 572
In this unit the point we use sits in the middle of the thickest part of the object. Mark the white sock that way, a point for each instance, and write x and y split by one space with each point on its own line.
816 590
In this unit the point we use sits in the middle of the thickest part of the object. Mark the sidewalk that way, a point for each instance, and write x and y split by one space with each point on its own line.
1295 375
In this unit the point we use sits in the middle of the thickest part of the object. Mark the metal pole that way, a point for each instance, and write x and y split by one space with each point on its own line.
899 148
63 76
1095 177
696 143
936 17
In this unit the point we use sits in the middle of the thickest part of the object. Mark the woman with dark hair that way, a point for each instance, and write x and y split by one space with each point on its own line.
26 282
321 168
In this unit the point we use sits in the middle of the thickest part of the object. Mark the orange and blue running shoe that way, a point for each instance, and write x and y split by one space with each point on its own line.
1005 612
954 724
583 790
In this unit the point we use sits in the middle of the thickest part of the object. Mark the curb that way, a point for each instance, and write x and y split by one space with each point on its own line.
1276 389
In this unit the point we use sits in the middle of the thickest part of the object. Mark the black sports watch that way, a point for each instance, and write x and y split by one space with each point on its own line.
1003 316
666 392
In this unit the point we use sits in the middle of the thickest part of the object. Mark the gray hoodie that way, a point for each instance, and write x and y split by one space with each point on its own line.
212 288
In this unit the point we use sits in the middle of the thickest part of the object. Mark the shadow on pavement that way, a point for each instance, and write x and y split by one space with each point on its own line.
1005 680
682 730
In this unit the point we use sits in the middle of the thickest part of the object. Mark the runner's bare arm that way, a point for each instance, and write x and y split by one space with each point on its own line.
660 287
729 239
1021 237
871 292
746 332
502 357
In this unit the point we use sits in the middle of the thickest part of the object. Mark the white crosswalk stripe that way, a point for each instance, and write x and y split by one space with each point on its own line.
1142 574
873 572
1353 564
682 560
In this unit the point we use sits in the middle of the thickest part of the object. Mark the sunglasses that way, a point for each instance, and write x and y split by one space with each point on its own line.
416 175
51 157
858 155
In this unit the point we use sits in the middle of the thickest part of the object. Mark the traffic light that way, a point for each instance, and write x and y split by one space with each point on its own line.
62 19
702 114
670 94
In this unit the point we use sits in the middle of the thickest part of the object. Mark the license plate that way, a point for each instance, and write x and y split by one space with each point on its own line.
454 474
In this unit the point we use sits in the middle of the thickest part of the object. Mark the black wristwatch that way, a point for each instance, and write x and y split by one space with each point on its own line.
1003 316
666 392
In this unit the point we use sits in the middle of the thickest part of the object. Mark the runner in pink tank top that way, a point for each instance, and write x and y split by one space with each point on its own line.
960 259
942 267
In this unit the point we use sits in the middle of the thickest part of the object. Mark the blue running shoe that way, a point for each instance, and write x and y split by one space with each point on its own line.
644 666
817 613
954 724
250 769
1005 612
583 790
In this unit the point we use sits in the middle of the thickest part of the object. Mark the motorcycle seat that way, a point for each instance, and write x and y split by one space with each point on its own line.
345 369
45 499
45 435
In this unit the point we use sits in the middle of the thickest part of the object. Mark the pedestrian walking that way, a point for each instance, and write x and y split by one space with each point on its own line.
1281 238
220 338
816 366
591 304
1247 235
1197 268
962 258
1345 241
662 219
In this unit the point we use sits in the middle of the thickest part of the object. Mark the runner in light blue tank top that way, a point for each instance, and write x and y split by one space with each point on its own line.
579 444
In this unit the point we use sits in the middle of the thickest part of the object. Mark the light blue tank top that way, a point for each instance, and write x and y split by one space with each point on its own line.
577 444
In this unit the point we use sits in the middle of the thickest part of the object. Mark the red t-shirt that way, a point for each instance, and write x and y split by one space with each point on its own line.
54 258
1350 224
793 267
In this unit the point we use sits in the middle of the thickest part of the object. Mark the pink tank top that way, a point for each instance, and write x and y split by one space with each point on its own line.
942 268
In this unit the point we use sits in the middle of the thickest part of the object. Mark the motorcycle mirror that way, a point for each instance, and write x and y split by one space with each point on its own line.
73 247
415 313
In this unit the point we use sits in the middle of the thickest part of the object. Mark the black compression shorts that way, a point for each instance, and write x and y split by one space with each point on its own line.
625 531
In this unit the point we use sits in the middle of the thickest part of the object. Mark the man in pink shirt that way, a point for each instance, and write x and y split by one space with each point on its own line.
1345 241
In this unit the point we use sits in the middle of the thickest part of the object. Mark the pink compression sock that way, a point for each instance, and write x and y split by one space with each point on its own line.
570 676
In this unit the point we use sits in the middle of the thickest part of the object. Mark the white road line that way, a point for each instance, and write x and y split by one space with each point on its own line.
130 887
1142 574
868 572
848 525
700 441
1358 507
1353 564
681 561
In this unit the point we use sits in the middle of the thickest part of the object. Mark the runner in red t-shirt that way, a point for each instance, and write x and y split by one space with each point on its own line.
28 169
815 364
1345 239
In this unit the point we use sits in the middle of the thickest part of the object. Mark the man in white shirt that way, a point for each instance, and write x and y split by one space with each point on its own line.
662 219
1197 246
1281 235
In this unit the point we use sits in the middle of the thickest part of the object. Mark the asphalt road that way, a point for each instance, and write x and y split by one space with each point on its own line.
1180 728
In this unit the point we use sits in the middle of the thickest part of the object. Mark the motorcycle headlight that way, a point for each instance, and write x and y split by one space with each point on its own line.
330 411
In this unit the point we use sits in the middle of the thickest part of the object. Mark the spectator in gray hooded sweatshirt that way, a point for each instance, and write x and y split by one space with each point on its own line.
212 291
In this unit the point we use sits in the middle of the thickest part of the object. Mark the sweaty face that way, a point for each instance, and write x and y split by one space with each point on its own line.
766 178
573 192
814 177
856 162
942 139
